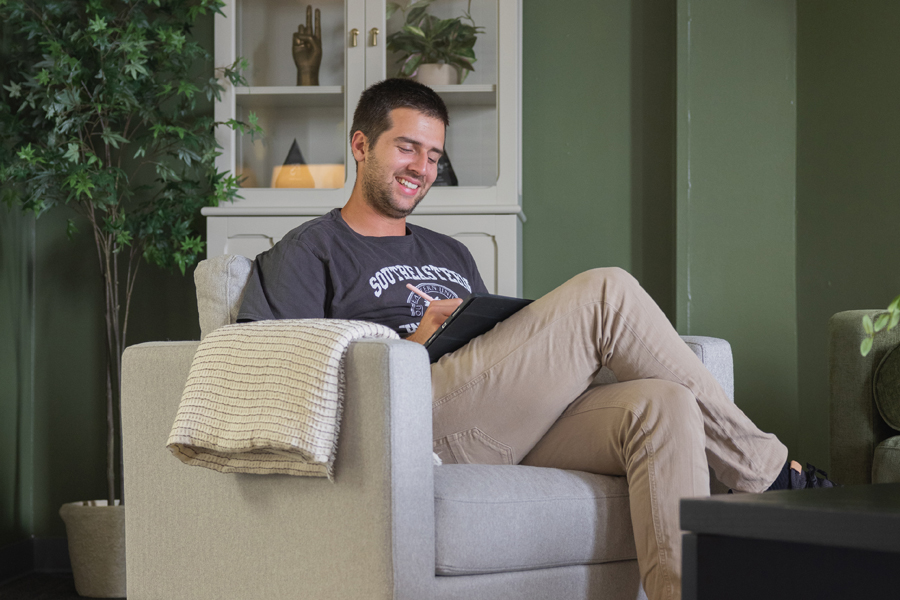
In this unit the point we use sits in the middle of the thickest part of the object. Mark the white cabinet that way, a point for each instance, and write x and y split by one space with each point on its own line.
482 143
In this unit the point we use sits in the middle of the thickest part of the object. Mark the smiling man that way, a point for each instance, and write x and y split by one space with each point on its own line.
522 392
355 262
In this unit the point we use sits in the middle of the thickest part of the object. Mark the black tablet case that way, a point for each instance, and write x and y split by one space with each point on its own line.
476 315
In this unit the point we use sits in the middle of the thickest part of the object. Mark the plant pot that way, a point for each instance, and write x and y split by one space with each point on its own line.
437 74
96 535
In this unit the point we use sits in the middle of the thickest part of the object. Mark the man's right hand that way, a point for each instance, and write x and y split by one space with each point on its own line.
435 315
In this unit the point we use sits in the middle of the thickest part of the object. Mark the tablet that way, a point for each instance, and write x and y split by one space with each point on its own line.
476 315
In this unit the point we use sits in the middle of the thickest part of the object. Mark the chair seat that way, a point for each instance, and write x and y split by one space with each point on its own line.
492 519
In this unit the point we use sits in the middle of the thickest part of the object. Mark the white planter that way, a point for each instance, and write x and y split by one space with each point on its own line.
437 74
96 535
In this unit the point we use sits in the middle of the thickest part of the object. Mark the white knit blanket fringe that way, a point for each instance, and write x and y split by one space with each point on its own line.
267 397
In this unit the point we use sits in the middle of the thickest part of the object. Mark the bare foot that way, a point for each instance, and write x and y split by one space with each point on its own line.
796 466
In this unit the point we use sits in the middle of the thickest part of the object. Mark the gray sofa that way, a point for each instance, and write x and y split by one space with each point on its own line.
864 448
392 526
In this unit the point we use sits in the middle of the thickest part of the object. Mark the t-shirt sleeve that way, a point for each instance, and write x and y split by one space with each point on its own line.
478 285
287 282
475 281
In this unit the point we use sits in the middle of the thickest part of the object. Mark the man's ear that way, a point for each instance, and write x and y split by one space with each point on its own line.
359 145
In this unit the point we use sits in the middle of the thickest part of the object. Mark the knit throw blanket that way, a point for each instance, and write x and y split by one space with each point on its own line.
267 397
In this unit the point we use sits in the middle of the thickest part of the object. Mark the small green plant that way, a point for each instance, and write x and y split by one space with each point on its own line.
883 322
99 111
426 39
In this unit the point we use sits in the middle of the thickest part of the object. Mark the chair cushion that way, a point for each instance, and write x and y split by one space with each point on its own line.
886 388
220 285
497 518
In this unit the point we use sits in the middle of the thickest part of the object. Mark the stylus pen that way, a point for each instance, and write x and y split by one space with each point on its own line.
419 292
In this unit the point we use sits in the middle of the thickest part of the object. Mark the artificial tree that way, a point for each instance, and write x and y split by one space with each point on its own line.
99 111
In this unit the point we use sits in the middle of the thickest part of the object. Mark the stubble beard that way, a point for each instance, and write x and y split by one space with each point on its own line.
379 196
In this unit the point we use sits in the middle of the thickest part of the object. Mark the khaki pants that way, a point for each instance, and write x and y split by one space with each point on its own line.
520 394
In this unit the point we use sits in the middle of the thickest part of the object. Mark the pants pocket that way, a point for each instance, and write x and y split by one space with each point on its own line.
473 446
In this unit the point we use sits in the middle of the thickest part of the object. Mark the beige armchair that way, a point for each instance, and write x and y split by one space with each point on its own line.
392 526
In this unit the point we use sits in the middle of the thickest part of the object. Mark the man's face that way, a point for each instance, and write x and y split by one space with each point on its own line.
400 168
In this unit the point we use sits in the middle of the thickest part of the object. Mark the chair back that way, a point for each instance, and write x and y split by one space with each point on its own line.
220 283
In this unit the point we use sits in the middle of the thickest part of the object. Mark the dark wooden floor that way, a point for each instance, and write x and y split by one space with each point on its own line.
40 586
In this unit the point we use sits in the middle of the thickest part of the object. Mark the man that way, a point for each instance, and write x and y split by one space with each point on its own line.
520 393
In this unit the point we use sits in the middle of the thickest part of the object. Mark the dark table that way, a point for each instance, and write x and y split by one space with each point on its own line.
804 544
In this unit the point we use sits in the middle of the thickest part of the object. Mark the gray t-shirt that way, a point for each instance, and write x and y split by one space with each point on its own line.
324 269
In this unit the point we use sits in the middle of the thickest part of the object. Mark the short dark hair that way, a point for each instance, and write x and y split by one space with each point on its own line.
373 112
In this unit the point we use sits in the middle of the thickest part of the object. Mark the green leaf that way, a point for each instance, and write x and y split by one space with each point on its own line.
112 138
80 184
71 229
410 66
867 325
895 318
895 305
72 153
97 24
866 346
466 52
123 238
27 154
442 25
392 7
14 89
415 15
882 321
414 30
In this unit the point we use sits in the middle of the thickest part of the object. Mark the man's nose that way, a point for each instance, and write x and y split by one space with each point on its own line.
419 163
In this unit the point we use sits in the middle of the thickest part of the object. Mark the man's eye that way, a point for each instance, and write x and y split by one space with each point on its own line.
405 150
432 160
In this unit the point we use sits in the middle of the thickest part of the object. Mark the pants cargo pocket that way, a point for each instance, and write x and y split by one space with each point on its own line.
473 446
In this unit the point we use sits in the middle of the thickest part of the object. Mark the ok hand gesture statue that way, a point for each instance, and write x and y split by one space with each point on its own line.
307 49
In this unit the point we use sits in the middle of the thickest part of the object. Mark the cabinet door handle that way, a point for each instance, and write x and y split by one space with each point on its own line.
353 34
374 31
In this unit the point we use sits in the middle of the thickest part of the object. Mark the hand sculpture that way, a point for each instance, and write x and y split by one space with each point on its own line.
307 49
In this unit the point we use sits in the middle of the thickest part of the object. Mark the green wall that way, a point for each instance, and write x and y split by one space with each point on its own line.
16 377
848 181
667 147
598 136
606 88
735 195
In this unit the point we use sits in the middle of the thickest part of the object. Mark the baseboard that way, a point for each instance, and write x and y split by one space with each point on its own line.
34 555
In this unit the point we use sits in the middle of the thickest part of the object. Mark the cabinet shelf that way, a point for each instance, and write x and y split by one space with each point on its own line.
281 96
467 95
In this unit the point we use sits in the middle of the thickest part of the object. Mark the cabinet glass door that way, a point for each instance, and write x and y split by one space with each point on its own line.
305 133
472 142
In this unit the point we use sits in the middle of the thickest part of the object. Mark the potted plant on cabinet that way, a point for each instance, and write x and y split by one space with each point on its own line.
434 51
99 112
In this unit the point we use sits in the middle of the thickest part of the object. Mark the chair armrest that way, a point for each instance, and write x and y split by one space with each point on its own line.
714 353
856 425
196 534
